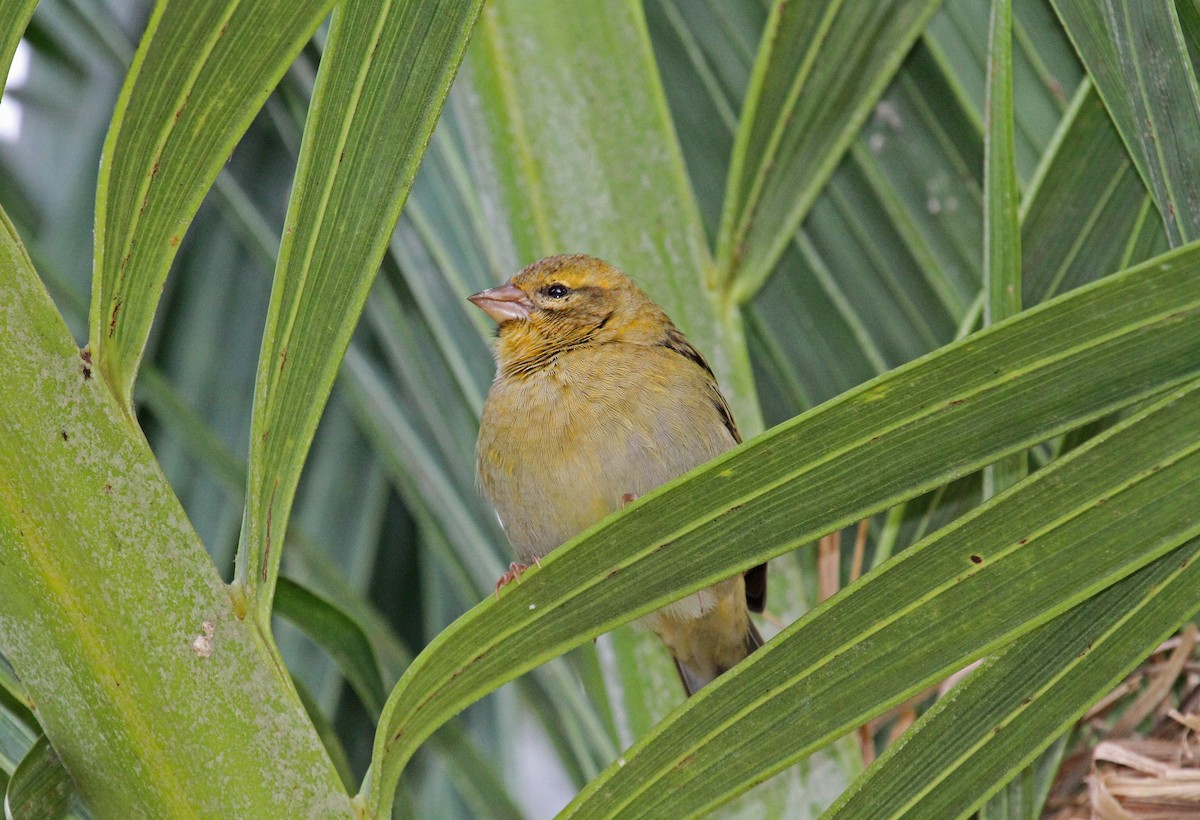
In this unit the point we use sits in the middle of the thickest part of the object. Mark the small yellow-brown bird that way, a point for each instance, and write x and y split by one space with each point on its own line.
598 398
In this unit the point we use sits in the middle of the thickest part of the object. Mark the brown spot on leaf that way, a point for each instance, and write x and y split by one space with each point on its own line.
112 323
976 559
266 562
65 435
685 762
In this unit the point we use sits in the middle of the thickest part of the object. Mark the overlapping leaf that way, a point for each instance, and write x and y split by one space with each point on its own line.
1136 55
200 75
969 743
385 74
817 74
1098 515
81 498
1045 371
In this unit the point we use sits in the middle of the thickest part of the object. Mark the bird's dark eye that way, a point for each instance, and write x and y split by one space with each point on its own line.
557 290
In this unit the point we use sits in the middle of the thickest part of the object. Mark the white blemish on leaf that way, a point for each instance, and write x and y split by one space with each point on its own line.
202 645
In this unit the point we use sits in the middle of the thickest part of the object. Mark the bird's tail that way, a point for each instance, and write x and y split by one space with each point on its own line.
711 655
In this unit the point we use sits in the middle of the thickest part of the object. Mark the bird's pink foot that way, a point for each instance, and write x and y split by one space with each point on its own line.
513 574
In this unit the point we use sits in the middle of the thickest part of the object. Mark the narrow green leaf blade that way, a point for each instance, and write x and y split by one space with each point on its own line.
18 731
385 74
40 788
1001 717
820 68
11 686
1001 200
1086 208
15 14
338 634
200 75
1135 53
1043 372
1036 550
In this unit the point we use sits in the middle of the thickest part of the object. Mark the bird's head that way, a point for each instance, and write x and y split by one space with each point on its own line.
564 302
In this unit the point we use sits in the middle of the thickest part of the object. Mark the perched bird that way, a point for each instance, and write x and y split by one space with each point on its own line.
598 398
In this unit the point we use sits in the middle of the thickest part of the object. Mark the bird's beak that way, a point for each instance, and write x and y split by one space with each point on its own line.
503 303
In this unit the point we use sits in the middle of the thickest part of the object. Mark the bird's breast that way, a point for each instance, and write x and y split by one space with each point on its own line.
559 449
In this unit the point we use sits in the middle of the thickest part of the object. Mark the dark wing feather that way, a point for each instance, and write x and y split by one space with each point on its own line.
756 577
677 342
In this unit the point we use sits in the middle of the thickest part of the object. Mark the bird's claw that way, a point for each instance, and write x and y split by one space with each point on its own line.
514 574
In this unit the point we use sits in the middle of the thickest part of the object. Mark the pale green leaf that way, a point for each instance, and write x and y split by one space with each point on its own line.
18 731
91 532
40 788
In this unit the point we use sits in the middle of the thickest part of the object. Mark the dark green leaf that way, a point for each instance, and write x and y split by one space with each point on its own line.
338 634
819 70
1107 509
1015 704
1001 198
1085 208
40 788
1135 53
1022 381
